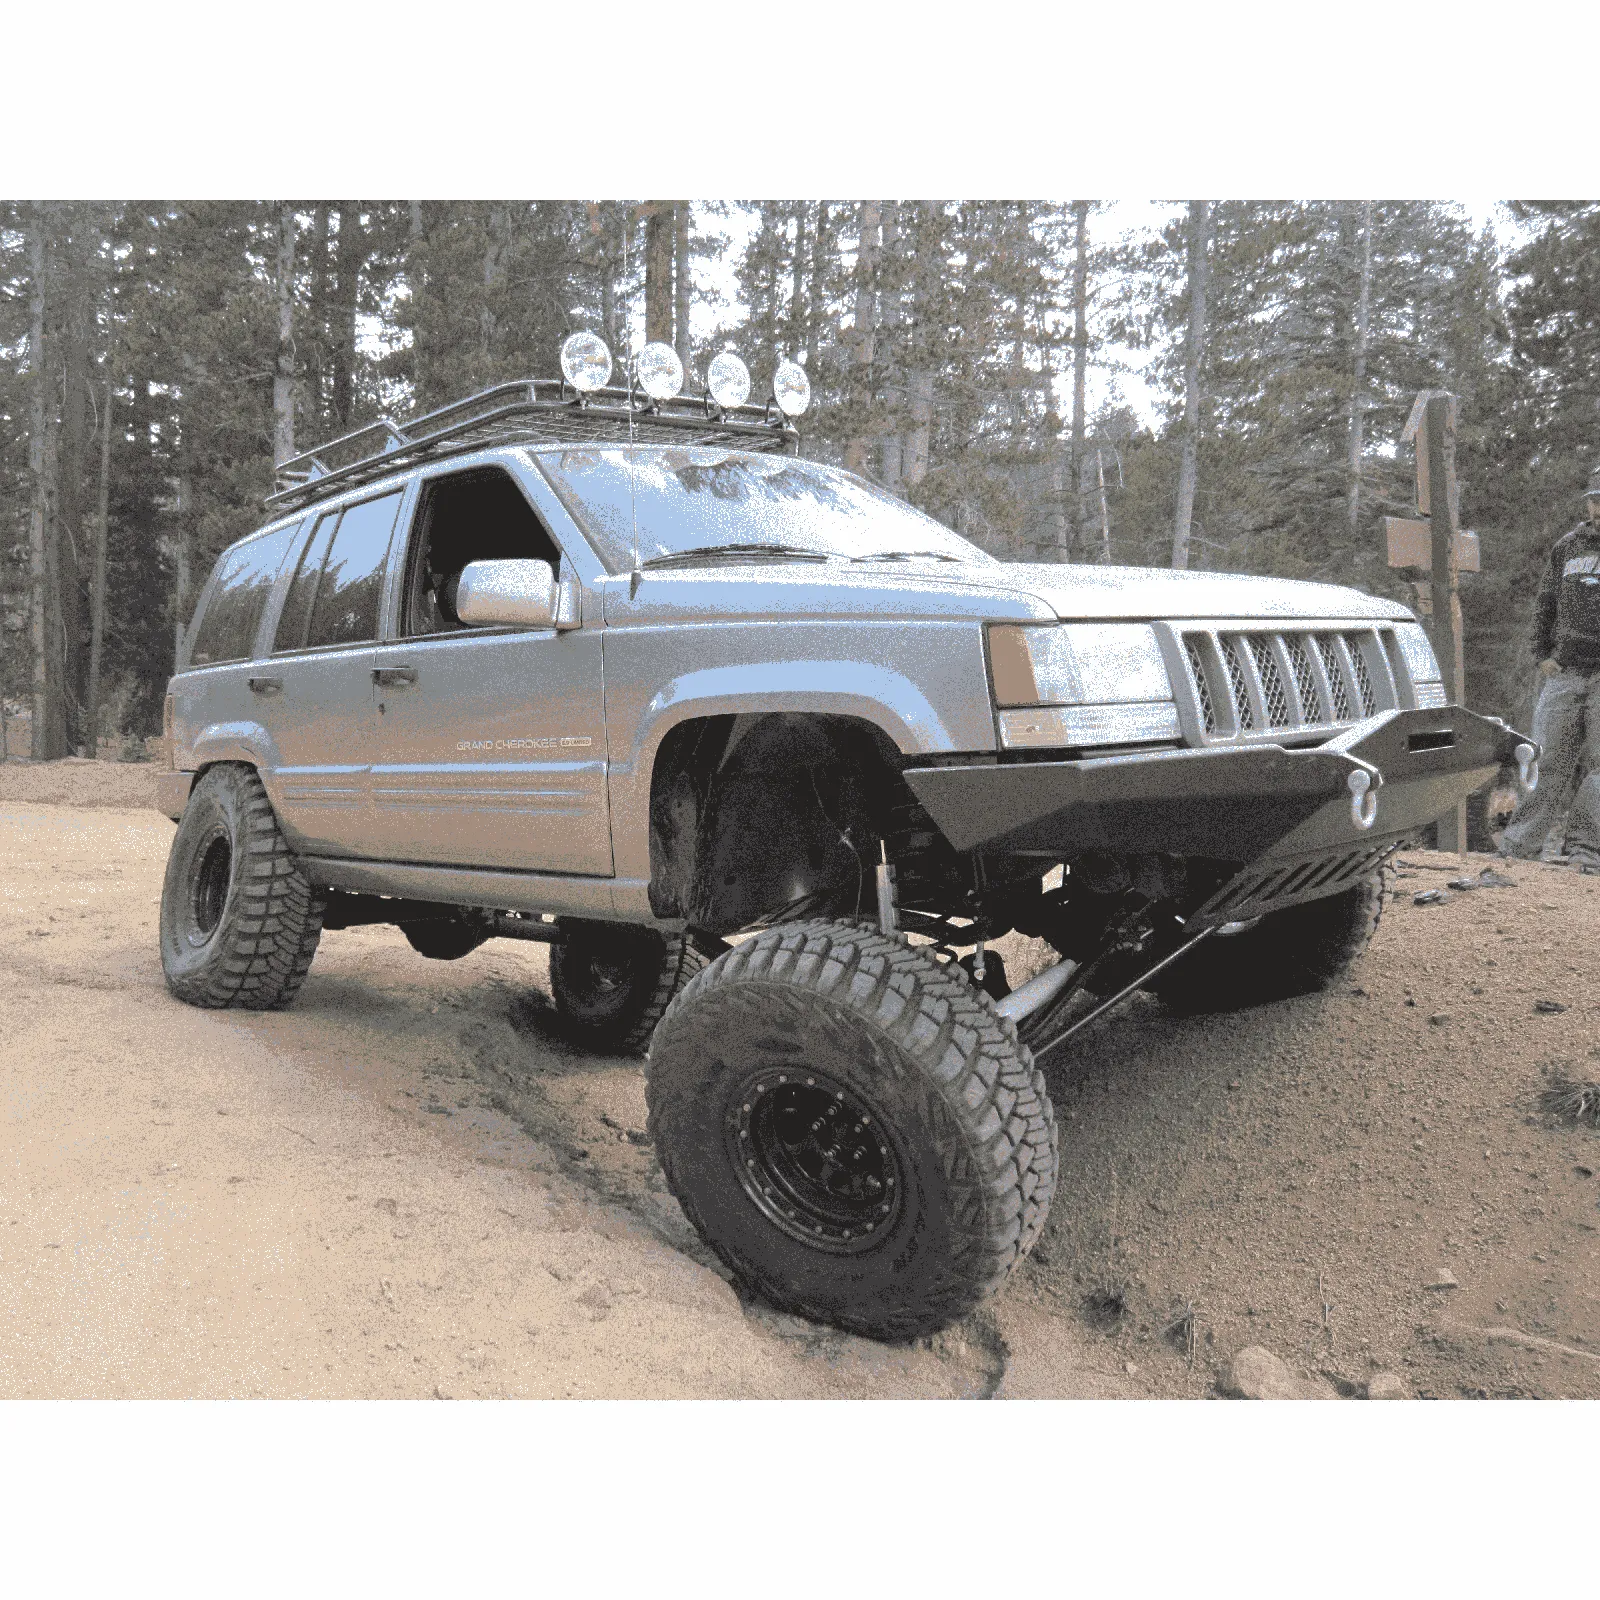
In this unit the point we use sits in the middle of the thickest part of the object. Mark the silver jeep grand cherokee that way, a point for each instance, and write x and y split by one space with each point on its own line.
618 671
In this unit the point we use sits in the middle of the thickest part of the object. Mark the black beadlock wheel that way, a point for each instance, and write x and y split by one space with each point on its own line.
1299 950
852 1128
239 919
612 982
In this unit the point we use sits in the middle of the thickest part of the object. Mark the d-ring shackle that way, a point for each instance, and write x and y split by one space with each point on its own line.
1363 798
1527 767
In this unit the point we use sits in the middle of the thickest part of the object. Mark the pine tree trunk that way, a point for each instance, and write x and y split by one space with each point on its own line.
821 240
892 413
74 541
351 253
682 280
97 596
919 380
417 279
1080 367
44 744
494 271
863 339
1200 225
316 347
283 373
1358 391
658 272
1105 510
797 286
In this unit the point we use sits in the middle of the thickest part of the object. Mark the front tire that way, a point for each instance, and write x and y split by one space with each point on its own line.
1299 950
611 983
240 920
850 1126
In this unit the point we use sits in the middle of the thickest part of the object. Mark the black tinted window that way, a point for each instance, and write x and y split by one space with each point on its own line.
335 594
226 630
291 634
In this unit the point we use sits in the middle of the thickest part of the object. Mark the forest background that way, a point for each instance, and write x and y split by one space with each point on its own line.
155 359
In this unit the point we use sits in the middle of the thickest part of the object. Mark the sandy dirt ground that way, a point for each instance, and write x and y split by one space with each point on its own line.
408 1186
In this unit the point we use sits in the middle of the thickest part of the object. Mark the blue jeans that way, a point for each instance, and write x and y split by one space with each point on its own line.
1566 726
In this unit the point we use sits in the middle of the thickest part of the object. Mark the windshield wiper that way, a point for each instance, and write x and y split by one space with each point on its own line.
734 552
907 555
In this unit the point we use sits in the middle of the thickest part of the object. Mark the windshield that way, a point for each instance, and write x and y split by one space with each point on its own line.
695 498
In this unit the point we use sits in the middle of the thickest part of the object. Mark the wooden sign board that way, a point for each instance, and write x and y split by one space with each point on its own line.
1411 545
1416 429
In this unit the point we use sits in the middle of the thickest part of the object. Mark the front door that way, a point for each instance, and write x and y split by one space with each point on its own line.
492 751
314 695
491 741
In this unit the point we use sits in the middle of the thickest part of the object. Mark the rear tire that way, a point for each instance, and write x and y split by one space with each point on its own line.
852 1128
612 982
1299 950
240 920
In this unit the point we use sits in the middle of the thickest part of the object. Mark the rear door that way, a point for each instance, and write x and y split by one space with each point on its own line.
314 693
492 749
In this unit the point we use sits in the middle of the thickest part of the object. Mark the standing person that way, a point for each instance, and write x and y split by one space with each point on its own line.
1566 721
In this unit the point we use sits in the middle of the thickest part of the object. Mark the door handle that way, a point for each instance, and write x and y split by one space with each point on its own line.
265 685
394 677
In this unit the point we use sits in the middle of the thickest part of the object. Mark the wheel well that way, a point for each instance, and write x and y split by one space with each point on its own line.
769 816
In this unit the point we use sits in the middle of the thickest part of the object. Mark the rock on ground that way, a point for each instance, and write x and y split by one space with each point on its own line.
1256 1374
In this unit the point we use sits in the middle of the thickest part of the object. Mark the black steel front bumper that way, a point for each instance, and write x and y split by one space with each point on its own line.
1288 818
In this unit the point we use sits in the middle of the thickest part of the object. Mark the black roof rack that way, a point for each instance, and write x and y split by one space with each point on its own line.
531 410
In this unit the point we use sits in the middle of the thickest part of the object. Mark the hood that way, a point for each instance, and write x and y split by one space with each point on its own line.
982 590
1138 594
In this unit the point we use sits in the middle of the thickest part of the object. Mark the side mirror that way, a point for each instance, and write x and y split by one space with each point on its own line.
509 594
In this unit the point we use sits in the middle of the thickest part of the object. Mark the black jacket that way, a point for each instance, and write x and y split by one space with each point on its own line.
1566 616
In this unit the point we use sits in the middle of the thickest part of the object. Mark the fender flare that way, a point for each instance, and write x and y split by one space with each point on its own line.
867 693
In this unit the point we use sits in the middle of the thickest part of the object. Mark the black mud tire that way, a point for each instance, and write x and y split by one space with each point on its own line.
612 982
1299 950
240 920
442 940
929 1084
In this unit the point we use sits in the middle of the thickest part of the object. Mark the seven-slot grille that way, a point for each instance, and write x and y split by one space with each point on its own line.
1271 683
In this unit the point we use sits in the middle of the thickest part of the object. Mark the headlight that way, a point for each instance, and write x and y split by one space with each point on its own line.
1087 663
1081 684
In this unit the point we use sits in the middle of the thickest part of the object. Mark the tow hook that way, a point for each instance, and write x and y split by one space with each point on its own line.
1363 798
1527 767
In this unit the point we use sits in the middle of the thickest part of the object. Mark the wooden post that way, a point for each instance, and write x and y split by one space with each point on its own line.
1444 521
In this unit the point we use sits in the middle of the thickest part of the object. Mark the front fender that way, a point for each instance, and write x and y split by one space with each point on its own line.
924 686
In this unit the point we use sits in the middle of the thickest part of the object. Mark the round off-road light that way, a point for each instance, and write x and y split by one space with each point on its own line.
660 371
791 388
585 361
728 379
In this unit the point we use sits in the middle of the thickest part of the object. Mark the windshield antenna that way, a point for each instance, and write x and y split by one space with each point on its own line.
636 577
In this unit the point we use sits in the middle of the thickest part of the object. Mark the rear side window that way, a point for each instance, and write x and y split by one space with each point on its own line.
226 630
335 594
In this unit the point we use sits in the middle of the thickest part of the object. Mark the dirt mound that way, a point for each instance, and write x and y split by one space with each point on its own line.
95 785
